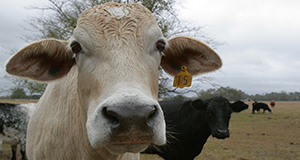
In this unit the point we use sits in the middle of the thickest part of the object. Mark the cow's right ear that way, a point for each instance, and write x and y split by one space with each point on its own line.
198 104
43 60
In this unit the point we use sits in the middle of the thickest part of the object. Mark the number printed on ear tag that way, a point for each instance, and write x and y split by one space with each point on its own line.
183 79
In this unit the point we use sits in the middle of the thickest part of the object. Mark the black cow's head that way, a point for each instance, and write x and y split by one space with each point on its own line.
239 106
217 115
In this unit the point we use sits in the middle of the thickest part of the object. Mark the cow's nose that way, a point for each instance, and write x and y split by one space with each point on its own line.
222 133
131 124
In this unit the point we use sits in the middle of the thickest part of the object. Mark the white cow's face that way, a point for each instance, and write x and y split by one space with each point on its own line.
117 73
119 64
118 49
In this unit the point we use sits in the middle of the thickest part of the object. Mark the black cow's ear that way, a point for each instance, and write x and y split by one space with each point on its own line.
198 104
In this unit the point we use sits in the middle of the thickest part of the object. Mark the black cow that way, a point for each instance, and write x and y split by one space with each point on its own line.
189 124
239 106
257 106
13 125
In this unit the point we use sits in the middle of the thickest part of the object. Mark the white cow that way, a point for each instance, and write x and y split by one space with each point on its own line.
102 103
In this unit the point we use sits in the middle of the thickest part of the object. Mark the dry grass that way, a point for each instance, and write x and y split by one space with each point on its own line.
18 100
258 136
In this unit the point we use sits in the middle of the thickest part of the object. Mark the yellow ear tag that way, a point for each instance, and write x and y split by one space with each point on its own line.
183 79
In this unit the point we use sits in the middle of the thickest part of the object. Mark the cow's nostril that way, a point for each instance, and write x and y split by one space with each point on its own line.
110 116
222 132
152 113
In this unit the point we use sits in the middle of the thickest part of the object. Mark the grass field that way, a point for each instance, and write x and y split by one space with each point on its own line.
258 136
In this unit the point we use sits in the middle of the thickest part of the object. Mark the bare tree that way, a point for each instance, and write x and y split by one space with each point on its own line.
58 18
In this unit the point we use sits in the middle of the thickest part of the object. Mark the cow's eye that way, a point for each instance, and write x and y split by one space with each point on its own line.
160 45
76 48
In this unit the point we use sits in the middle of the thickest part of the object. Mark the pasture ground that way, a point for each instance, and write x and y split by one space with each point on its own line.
258 136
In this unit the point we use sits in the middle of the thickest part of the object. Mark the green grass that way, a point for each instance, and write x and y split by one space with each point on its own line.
258 136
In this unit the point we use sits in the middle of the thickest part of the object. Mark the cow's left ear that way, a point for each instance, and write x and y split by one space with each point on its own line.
198 104
197 56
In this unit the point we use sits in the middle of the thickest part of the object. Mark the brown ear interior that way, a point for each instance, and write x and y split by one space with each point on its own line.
42 61
197 56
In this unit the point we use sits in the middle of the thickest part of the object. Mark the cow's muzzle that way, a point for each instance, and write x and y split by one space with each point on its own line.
130 124
221 133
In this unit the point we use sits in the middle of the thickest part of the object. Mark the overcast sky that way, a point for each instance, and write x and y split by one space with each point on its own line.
262 50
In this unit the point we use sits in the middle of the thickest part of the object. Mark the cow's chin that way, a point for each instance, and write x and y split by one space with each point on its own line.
123 148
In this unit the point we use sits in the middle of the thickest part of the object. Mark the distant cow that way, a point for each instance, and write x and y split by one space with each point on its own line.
272 103
257 106
239 106
190 123
13 125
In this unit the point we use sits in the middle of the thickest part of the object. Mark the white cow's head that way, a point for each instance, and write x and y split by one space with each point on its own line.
118 49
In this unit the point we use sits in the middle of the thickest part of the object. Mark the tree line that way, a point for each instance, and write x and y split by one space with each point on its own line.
233 94
30 90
